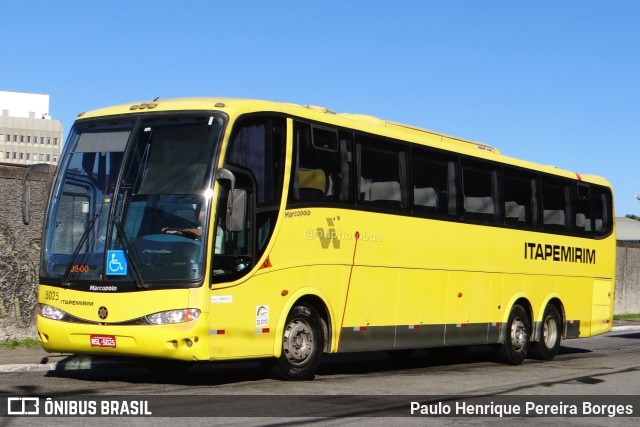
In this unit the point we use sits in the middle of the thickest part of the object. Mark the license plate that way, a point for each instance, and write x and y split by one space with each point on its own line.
103 341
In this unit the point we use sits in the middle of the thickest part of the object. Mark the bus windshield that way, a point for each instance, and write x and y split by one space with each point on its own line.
130 200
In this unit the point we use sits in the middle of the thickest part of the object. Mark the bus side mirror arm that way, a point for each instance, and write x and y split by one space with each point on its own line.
26 198
236 201
26 203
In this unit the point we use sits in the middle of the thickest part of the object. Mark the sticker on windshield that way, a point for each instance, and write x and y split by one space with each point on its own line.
116 263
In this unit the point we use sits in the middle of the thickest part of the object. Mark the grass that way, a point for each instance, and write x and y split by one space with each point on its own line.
625 316
16 343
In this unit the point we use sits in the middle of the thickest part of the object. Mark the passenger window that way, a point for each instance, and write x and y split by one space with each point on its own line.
380 174
584 217
555 203
320 172
602 210
434 183
481 193
520 198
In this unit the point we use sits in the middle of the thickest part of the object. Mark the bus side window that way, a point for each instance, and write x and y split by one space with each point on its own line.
584 217
434 181
520 206
320 172
602 211
381 174
555 204
480 185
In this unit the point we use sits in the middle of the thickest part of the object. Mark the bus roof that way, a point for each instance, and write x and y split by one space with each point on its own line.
366 123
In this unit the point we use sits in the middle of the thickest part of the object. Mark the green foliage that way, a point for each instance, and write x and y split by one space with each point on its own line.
15 343
636 217
625 316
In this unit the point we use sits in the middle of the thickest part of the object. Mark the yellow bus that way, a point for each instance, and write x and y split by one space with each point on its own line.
212 229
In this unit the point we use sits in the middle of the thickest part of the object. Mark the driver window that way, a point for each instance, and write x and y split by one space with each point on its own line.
256 158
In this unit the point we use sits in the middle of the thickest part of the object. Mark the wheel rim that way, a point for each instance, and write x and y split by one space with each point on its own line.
298 341
518 334
550 332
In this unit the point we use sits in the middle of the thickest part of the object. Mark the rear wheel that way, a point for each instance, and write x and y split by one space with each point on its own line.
549 344
516 342
302 344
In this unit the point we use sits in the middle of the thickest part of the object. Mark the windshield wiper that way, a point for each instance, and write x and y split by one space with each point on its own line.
130 253
76 252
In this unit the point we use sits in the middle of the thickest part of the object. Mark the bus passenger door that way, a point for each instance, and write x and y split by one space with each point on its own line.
255 166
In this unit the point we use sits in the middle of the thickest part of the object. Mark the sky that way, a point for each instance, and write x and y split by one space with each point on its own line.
554 82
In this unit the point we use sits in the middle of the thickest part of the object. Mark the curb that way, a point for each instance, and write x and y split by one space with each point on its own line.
70 363
27 367
625 328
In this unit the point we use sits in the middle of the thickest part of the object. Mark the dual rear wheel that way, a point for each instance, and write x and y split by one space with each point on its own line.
517 343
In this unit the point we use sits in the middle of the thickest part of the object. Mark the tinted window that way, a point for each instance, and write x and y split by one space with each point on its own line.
434 183
555 204
258 145
520 197
602 208
380 177
320 171
480 184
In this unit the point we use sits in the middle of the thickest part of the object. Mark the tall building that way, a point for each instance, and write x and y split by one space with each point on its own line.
28 135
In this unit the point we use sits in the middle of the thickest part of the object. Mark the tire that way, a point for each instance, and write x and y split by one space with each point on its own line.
302 345
549 344
516 342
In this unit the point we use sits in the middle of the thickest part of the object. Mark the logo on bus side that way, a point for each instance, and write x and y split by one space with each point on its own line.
559 253
332 237
329 236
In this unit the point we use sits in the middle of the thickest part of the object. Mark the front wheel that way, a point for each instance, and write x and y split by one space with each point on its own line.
302 344
549 344
516 342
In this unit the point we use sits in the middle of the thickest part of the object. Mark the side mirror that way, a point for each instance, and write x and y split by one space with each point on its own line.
236 201
26 189
26 202
236 213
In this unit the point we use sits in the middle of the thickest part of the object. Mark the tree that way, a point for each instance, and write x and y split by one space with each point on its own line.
636 217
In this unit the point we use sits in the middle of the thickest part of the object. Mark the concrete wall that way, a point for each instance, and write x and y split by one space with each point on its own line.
20 254
20 251
627 279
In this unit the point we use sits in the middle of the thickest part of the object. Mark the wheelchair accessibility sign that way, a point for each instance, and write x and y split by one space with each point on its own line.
116 263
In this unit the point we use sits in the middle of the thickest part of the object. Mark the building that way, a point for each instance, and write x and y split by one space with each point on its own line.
28 134
627 230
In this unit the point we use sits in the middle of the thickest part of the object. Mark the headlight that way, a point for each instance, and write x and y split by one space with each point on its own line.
173 316
52 313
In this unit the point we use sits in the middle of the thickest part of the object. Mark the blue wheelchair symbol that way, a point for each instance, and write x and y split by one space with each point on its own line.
116 263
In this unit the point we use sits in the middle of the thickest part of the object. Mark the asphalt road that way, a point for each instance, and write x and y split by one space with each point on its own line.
369 388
